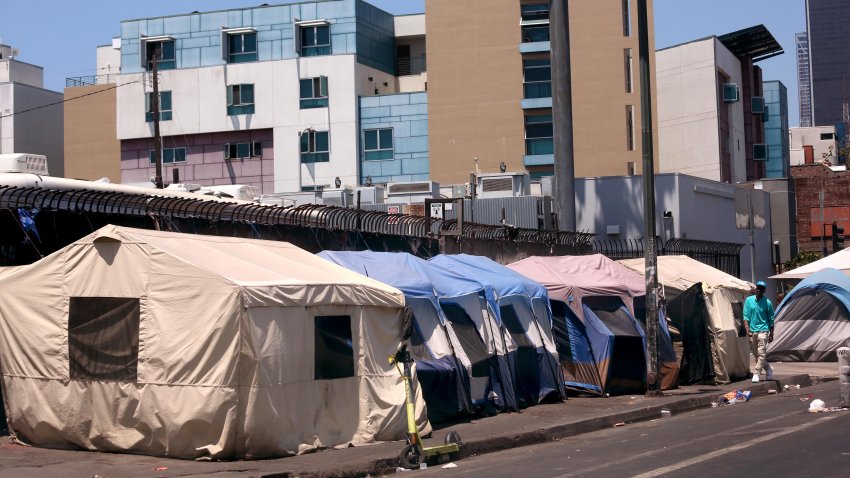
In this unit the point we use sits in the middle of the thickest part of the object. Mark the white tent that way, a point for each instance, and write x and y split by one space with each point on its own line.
840 260
198 347
724 296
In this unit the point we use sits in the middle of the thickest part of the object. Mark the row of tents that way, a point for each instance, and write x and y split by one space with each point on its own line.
211 347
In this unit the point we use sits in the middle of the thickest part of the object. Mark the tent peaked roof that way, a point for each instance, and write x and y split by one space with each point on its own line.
832 281
407 267
398 269
245 262
840 260
502 280
594 274
682 272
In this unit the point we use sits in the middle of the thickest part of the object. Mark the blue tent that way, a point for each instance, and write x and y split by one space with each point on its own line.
447 305
522 306
813 320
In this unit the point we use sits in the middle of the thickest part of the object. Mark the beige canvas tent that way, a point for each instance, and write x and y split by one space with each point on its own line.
839 260
198 347
689 283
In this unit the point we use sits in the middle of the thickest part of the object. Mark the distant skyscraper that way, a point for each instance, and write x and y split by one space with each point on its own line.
804 80
829 44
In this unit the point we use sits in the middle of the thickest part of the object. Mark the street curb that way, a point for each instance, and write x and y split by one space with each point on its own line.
388 465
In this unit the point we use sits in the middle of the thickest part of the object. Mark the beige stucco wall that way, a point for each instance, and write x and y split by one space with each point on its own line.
475 84
92 150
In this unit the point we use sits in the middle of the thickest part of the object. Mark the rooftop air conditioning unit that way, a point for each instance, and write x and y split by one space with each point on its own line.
242 192
500 185
338 197
758 107
760 152
370 195
412 192
24 163
730 93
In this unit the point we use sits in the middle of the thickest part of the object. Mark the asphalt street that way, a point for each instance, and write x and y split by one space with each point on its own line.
769 436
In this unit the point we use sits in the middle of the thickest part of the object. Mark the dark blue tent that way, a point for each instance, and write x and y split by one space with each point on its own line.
512 298
446 305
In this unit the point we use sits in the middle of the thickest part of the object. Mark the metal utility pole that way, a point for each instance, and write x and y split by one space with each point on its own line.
562 115
157 139
822 222
650 259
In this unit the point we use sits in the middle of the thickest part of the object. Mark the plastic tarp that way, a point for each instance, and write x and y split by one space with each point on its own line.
723 299
691 330
465 313
245 349
813 320
619 345
575 353
511 296
442 366
573 279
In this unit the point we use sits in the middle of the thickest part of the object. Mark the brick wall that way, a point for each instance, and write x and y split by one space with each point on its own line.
809 180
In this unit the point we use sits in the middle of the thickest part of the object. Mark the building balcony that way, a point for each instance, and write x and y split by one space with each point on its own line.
410 66
90 80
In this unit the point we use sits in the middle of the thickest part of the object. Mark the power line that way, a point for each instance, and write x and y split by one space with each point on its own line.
71 99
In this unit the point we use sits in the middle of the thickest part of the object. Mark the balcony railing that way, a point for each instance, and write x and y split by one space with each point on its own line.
90 80
414 65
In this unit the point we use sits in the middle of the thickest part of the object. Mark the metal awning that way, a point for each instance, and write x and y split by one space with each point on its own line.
753 42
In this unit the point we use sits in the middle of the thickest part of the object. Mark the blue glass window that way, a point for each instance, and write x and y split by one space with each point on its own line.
240 99
241 47
169 155
164 106
538 135
535 12
314 147
163 51
315 40
535 33
378 144
314 92
538 78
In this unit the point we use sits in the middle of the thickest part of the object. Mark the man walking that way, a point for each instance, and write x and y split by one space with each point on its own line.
758 321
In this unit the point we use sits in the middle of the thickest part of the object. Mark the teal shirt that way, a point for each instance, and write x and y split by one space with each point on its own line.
759 313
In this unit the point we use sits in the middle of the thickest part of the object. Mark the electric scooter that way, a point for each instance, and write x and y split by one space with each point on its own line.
414 453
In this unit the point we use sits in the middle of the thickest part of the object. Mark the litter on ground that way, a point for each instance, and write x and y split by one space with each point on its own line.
731 398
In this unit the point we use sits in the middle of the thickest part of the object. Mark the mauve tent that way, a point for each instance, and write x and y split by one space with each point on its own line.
601 344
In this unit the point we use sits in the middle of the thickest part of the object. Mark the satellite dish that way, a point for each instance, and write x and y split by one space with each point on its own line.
15 52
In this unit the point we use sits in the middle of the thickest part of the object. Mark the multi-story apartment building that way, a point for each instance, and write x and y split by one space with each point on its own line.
829 42
489 87
270 96
292 97
776 134
711 121
30 115
804 79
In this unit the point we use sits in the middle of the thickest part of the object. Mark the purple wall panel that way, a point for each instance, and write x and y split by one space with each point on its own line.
205 163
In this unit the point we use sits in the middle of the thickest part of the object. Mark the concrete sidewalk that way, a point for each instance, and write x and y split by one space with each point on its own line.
537 424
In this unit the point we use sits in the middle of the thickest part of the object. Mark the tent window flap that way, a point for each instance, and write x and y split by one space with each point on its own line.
103 338
334 350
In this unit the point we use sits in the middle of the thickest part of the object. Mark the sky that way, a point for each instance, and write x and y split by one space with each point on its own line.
61 35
